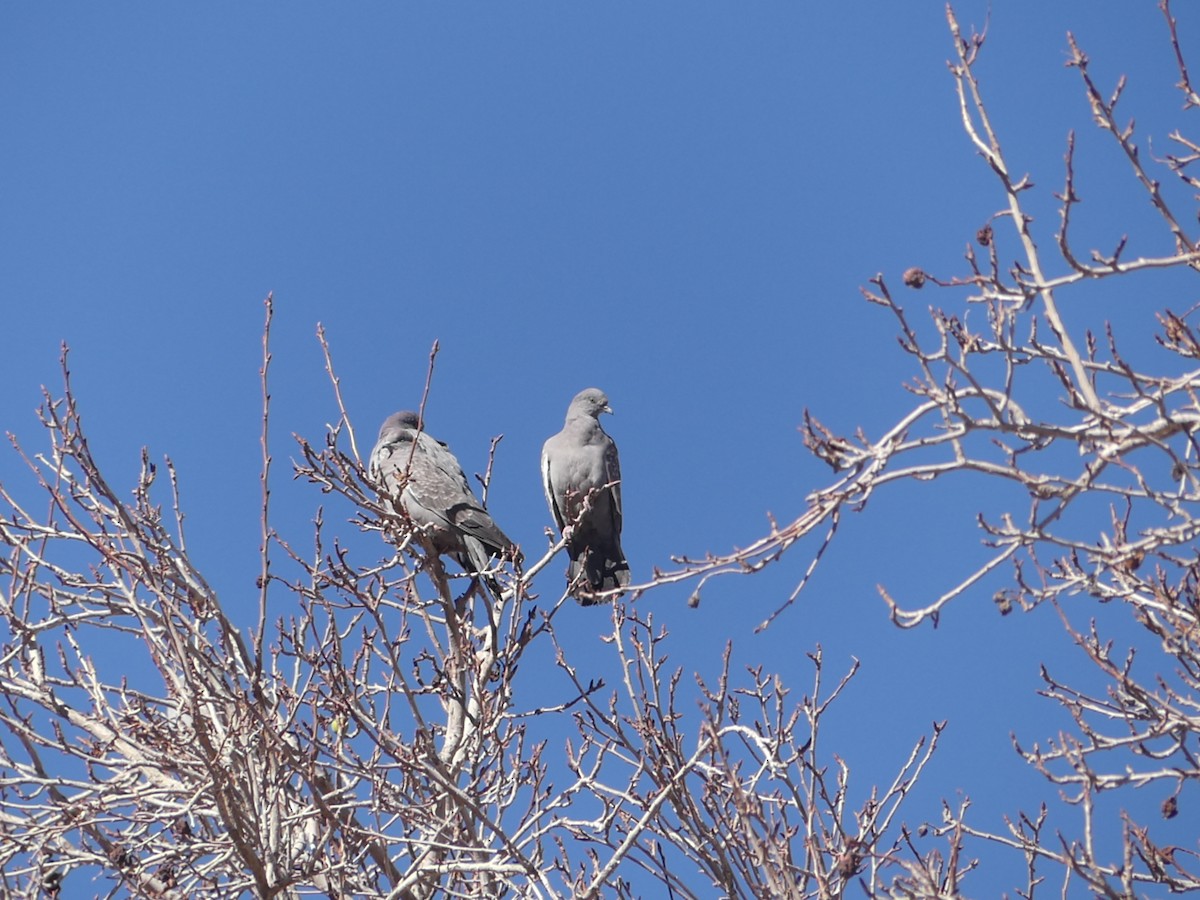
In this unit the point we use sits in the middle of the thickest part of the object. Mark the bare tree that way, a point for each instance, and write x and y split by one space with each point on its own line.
373 740
1111 518
376 744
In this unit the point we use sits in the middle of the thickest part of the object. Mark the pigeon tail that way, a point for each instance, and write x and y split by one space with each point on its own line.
594 573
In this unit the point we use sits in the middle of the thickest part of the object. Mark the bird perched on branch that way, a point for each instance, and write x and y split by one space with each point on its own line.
422 474
582 478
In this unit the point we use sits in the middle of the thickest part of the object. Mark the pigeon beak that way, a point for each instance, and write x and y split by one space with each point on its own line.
608 409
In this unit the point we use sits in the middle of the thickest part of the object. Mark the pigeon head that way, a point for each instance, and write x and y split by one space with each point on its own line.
589 402
396 423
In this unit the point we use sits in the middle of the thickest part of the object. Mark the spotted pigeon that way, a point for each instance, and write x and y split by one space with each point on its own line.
434 492
582 478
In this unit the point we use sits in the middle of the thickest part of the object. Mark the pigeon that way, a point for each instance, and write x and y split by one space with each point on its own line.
422 474
582 478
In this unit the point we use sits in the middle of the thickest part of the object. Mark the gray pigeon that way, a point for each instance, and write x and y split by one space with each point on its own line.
580 469
435 494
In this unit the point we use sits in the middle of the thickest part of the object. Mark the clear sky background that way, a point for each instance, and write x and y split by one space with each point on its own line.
674 202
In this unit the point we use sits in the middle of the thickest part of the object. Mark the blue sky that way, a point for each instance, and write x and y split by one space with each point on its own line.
675 203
